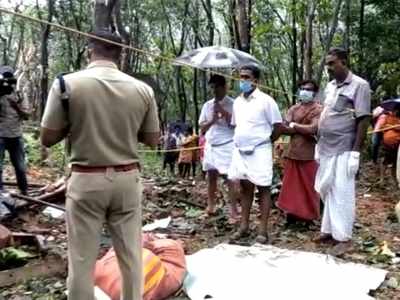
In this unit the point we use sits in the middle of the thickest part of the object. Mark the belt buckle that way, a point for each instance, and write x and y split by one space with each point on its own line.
110 172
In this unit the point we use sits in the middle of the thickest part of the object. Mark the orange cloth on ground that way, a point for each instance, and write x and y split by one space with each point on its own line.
391 137
164 269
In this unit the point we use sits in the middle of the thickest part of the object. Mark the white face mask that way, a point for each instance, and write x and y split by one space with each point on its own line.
306 96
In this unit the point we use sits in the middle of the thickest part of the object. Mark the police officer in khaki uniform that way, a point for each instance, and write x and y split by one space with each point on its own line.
108 114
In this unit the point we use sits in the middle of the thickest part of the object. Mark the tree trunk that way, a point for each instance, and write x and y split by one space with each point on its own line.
329 39
347 30
44 57
4 54
302 53
231 23
195 71
207 5
361 38
243 24
125 37
195 100
20 46
180 88
294 52
103 15
44 61
308 71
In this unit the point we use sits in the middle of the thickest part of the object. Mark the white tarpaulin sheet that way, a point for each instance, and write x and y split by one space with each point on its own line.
230 272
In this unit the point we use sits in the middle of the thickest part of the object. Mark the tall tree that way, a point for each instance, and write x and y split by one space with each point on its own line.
44 52
361 37
308 51
44 61
243 24
103 14
294 51
329 39
347 31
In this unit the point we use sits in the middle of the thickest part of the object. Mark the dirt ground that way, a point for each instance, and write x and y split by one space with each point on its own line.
376 229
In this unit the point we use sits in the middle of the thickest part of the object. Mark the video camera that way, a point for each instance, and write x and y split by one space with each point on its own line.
7 80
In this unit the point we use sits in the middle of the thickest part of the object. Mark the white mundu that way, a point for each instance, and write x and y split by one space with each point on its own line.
219 137
254 118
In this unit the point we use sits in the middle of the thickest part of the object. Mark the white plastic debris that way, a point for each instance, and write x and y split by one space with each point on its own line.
230 272
162 223
53 212
99 294
5 203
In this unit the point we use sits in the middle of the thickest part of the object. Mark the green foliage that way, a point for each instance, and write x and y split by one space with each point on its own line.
151 162
11 257
32 149
33 152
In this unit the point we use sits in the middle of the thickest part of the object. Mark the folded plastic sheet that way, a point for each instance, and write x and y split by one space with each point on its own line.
230 272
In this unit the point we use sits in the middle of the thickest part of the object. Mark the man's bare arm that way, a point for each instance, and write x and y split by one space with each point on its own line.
310 129
149 138
361 132
277 131
22 113
50 137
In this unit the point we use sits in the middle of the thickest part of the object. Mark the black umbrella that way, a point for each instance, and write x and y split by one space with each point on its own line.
391 104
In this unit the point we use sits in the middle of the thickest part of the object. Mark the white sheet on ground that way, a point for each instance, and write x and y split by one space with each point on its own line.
230 272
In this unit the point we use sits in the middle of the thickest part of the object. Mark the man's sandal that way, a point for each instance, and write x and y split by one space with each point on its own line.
240 234
262 239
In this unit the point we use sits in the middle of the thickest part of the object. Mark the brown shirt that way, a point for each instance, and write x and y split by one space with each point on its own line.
107 111
302 145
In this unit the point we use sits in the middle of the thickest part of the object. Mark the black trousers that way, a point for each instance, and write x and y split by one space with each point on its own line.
15 149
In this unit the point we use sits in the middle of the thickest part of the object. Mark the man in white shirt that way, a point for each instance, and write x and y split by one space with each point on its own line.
258 122
215 121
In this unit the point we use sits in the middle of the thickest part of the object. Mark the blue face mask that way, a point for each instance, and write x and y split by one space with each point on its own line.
245 86
306 96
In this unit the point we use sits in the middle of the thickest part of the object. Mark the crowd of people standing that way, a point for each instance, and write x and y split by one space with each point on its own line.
326 131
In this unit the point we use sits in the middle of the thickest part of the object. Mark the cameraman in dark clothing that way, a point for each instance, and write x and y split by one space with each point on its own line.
13 110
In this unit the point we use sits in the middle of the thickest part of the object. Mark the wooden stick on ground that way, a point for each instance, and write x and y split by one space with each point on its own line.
32 185
192 203
37 201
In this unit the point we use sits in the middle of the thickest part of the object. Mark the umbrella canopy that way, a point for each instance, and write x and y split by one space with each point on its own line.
391 104
216 57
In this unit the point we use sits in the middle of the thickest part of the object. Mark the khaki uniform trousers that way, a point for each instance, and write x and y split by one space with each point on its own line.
93 199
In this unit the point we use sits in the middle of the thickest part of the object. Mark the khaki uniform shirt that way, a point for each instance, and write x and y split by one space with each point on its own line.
342 105
107 111
10 121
